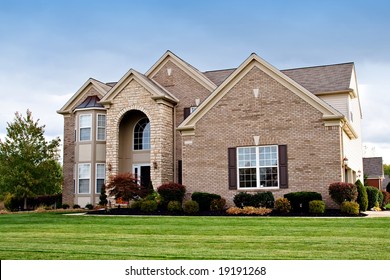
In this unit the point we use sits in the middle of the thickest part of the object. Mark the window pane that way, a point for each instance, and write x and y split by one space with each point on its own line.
100 171
85 134
83 185
99 185
269 177
247 157
101 121
247 177
142 135
85 121
84 171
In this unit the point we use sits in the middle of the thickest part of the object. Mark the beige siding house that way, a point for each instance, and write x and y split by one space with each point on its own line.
253 128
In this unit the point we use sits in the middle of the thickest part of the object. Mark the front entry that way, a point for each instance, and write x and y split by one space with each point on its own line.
142 172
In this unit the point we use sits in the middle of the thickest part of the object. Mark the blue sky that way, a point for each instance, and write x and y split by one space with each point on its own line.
48 49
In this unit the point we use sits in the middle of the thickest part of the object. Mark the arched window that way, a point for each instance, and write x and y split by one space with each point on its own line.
142 135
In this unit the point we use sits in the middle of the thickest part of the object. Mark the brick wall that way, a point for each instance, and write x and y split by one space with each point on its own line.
278 116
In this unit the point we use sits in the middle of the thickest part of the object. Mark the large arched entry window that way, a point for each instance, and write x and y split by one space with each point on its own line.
142 135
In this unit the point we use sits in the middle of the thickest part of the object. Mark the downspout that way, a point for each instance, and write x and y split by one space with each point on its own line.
174 145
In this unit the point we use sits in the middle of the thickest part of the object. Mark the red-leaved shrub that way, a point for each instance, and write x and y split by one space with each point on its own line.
341 192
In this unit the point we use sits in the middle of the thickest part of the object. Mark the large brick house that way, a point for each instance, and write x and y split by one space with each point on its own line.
253 128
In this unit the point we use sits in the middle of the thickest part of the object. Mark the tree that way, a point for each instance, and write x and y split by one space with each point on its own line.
29 164
386 169
125 186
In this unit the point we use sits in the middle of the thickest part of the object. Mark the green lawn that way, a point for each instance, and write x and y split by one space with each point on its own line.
58 236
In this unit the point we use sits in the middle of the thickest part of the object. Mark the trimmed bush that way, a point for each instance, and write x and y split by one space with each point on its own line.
11 203
282 205
174 206
171 192
300 200
89 206
380 198
350 208
248 210
234 211
148 206
362 198
317 207
386 198
262 199
340 192
204 199
218 205
191 207
65 206
76 206
373 196
242 199
136 204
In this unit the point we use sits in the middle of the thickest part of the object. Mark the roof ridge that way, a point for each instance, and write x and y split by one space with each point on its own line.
318 66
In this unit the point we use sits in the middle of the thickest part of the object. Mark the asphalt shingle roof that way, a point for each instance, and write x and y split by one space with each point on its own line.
373 166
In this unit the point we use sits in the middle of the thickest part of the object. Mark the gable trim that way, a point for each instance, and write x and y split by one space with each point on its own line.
184 66
67 108
255 61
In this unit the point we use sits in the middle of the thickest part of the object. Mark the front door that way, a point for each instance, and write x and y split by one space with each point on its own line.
142 173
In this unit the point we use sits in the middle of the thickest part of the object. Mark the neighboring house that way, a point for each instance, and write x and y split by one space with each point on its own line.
253 128
373 172
385 182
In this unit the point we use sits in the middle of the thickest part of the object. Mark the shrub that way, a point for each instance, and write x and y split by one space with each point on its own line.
248 210
386 198
148 206
89 206
380 199
174 206
388 187
171 192
242 199
191 207
136 204
300 200
103 196
373 195
362 198
204 199
65 206
317 207
218 205
234 211
282 205
341 192
11 203
350 208
125 186
262 199
76 206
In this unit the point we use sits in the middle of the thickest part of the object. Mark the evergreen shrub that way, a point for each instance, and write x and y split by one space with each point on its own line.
300 200
350 208
204 199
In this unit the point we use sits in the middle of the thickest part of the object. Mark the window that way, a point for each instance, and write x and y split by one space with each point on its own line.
84 177
100 176
142 135
85 127
101 127
258 167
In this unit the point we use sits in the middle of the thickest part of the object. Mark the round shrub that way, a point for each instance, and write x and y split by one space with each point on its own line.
89 206
263 199
282 205
373 195
174 206
386 198
11 203
136 204
350 208
300 200
76 206
218 205
341 192
204 199
191 207
171 192
362 198
65 206
317 207
148 206
242 199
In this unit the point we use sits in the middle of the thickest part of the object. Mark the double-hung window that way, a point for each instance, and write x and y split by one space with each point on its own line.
84 178
258 167
101 127
100 176
85 124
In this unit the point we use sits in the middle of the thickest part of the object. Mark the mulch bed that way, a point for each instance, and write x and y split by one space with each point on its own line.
135 212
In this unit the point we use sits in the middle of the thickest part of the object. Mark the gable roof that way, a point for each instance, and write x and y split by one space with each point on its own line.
187 68
329 113
156 90
373 166
316 79
90 102
100 87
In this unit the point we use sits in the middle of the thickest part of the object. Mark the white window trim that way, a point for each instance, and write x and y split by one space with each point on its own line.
97 127
78 179
80 127
258 166
96 176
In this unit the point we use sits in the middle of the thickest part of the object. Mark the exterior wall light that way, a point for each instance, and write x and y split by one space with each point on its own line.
345 161
256 92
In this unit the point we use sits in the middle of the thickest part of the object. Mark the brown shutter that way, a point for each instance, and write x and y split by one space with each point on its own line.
283 170
232 163
180 172
187 112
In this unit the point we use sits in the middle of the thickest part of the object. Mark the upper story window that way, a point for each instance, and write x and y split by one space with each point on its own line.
142 135
258 167
101 127
85 126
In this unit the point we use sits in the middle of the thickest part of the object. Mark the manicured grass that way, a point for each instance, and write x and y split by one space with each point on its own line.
58 236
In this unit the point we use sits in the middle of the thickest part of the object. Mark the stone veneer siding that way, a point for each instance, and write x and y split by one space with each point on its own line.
279 117
135 97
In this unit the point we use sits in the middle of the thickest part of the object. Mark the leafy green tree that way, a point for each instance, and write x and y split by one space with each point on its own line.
29 164
386 169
